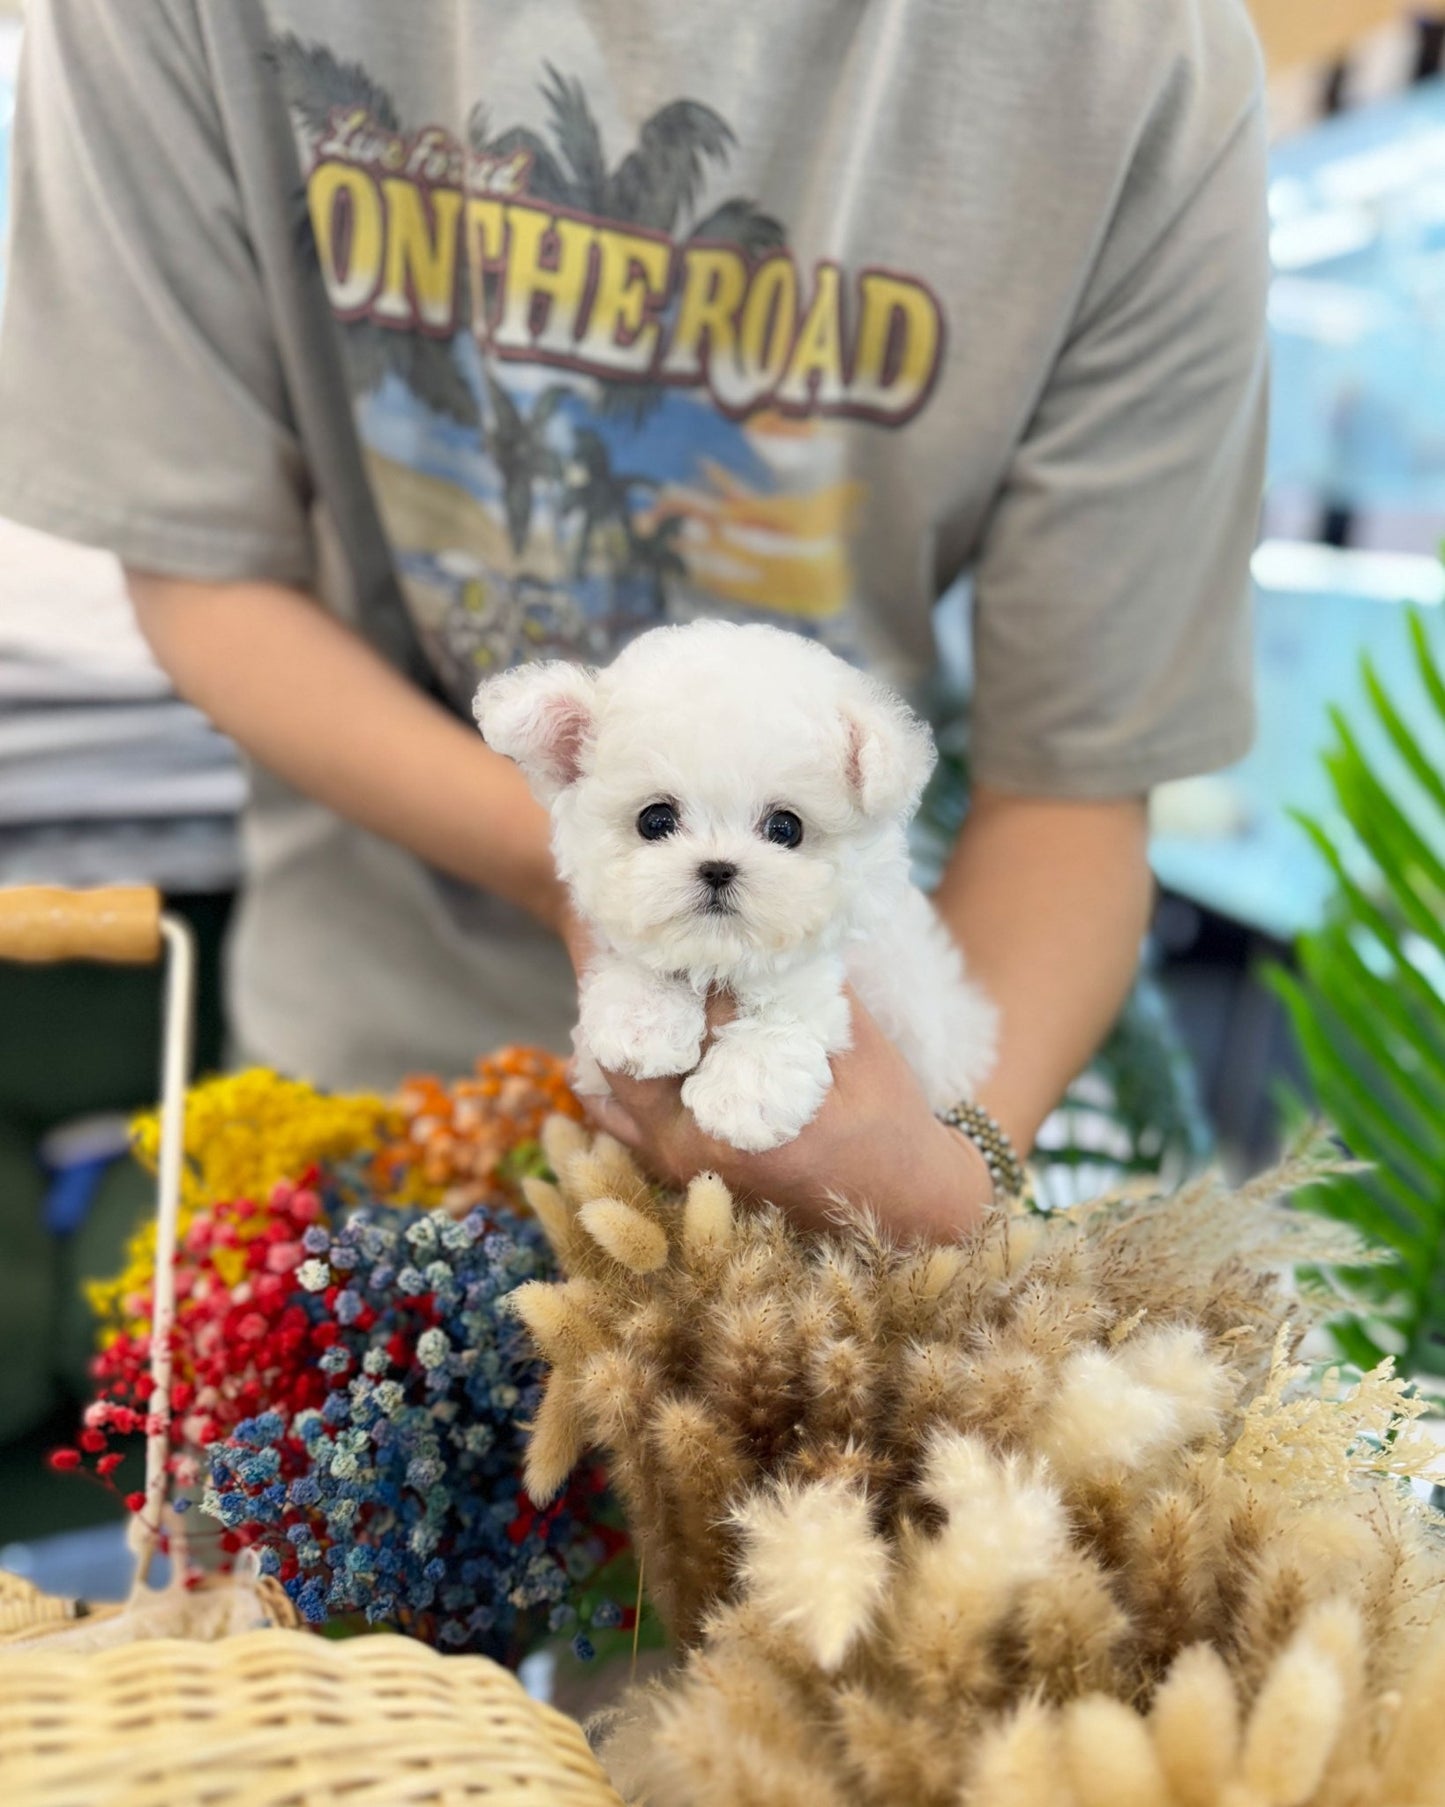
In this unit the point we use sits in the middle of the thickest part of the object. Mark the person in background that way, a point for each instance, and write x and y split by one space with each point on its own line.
388 346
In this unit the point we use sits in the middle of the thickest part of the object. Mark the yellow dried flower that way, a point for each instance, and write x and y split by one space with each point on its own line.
246 1132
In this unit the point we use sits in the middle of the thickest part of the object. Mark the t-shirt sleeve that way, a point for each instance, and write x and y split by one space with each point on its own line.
1112 612
141 396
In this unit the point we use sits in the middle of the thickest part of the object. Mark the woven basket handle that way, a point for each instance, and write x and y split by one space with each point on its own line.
120 924
125 925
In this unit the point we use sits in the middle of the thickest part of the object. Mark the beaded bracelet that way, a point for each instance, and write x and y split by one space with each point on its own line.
991 1140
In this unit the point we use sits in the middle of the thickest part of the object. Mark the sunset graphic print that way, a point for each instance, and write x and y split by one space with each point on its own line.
594 396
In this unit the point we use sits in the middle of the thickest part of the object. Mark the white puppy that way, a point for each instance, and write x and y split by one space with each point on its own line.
729 809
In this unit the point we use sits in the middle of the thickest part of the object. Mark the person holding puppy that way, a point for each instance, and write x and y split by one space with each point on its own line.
390 349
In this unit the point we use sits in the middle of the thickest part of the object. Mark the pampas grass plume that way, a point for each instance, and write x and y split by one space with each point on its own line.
625 1234
1195 1722
1071 1626
1174 1359
611 1168
616 1387
1020 1762
707 1216
812 1563
1414 1773
1003 1507
1111 1761
563 1139
892 1757
1104 1420
1293 1727
557 1441
551 1211
562 1320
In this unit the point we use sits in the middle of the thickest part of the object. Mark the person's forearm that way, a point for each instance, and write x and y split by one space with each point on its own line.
310 701
1050 901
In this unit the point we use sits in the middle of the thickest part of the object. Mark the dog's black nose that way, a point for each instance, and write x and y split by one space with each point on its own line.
717 874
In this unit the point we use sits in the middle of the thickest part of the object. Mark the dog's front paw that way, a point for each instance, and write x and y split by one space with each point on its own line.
758 1086
634 1023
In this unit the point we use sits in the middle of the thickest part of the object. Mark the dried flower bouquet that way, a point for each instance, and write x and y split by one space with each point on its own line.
1051 1516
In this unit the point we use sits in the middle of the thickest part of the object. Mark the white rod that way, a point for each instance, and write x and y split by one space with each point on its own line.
175 1075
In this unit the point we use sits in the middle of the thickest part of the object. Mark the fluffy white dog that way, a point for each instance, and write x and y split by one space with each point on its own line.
729 809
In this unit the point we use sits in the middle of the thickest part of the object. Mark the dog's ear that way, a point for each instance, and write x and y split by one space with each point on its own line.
542 715
890 754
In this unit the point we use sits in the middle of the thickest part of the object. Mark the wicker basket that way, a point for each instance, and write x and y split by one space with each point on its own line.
24 1609
274 1719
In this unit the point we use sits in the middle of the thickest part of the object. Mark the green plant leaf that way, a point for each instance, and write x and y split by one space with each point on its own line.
1356 1344
1351 905
1426 662
1427 773
1356 1111
1370 1023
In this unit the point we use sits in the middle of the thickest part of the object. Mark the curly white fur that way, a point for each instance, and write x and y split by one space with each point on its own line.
728 724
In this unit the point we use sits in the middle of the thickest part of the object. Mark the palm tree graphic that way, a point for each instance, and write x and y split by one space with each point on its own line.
652 555
523 456
654 186
657 185
317 84
598 493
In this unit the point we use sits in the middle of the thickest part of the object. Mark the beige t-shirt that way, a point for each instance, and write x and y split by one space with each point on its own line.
613 314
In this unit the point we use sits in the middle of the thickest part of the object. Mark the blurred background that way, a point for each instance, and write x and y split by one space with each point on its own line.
104 775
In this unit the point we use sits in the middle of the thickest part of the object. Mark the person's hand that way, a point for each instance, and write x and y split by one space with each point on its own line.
874 1143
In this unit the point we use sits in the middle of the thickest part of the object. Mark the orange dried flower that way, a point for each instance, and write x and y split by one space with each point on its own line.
461 1142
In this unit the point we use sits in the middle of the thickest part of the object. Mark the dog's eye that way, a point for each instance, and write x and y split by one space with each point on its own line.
657 822
783 829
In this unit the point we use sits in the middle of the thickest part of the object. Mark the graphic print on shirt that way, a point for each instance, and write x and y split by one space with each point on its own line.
593 395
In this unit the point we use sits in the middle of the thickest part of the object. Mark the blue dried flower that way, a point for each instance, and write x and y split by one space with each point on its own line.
456 1236
423 1472
410 1496
390 1397
422 1234
311 1603
348 1307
